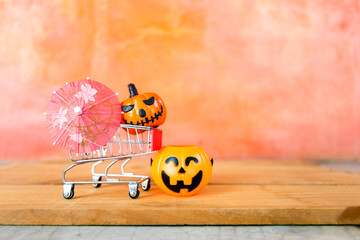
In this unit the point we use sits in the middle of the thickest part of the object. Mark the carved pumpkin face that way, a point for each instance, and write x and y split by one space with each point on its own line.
146 109
181 171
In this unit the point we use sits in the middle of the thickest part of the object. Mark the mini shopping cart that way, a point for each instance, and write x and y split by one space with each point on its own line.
130 141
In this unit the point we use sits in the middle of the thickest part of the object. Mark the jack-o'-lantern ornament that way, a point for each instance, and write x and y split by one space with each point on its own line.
181 171
146 109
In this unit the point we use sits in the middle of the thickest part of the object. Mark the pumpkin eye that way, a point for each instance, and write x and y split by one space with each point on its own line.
189 159
150 101
127 108
174 160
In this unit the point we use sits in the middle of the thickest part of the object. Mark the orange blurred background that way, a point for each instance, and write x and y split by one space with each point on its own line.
277 79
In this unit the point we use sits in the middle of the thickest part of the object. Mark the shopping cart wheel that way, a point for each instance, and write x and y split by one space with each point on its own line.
133 190
95 179
134 196
145 185
68 192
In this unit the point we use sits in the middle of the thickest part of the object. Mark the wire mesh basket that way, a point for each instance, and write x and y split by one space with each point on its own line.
129 141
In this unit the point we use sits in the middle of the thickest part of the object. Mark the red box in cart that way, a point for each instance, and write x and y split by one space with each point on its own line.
156 139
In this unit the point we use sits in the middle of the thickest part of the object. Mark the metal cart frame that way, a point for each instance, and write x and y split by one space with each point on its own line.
129 141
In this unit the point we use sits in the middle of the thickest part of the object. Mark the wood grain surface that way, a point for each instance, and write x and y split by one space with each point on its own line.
240 192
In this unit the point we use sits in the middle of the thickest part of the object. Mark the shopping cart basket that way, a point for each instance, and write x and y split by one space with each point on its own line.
124 146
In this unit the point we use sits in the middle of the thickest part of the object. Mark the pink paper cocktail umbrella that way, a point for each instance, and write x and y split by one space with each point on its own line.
83 116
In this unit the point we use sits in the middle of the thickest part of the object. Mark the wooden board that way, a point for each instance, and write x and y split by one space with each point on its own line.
240 192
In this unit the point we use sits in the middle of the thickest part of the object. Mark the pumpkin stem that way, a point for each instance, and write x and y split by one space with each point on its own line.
132 90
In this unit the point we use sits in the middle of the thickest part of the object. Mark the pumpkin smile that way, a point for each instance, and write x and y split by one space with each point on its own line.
180 184
147 120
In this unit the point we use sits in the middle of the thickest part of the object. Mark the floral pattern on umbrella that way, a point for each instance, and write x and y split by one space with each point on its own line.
83 116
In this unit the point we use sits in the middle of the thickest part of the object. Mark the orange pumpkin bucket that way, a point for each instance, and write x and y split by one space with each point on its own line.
181 171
